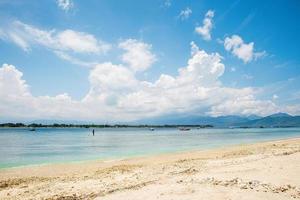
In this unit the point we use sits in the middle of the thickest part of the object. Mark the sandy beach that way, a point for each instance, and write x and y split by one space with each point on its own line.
269 170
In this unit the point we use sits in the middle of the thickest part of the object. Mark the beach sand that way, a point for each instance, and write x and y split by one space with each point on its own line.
269 170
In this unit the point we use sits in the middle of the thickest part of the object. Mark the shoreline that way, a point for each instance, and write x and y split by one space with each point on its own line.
175 154
263 170
144 156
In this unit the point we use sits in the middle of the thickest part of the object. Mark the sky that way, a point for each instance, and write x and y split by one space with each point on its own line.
120 61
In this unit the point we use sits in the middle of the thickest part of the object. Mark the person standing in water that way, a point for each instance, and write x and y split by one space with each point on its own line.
93 132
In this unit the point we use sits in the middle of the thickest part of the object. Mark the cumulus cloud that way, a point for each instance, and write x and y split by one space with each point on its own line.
16 100
65 5
107 77
25 36
207 26
185 14
244 104
137 54
236 45
11 84
116 94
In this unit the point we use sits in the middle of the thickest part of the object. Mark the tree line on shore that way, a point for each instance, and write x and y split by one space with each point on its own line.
56 125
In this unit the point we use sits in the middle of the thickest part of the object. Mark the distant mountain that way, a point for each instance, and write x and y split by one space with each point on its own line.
221 121
275 120
280 115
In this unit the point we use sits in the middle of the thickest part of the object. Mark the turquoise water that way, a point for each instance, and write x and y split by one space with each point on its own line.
19 147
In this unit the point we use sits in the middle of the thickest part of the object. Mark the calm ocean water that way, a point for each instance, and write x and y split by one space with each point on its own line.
19 147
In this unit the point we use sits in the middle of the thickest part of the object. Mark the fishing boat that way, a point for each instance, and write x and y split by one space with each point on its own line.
184 129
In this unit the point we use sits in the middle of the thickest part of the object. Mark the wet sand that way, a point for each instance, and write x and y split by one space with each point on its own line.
269 170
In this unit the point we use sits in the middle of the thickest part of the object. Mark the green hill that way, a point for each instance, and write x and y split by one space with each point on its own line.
275 120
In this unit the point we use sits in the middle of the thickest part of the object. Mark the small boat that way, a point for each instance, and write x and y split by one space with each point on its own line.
151 129
32 129
184 129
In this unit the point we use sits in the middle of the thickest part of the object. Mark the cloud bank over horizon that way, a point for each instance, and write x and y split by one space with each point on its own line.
116 94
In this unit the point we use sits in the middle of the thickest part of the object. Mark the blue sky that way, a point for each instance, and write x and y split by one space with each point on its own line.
62 49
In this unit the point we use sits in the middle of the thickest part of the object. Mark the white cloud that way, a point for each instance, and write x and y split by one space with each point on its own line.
242 50
17 102
292 109
11 84
19 41
79 42
185 14
219 41
244 104
107 77
65 5
260 54
207 26
138 54
25 36
74 60
116 94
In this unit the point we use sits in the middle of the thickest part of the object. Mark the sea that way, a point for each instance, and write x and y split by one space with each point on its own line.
21 147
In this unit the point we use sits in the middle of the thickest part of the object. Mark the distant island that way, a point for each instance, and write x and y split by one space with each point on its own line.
55 125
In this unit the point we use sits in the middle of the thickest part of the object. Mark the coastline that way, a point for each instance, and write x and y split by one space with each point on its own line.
144 155
210 152
226 169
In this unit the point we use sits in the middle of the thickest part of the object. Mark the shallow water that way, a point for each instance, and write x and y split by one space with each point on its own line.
19 147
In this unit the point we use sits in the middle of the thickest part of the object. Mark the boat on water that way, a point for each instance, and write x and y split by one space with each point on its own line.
151 129
184 129
32 129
